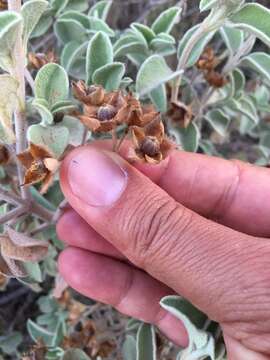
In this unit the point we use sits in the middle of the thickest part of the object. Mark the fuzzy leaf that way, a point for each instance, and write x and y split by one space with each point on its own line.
166 20
144 30
260 62
198 47
76 130
239 82
42 107
146 343
31 13
78 5
99 53
101 9
63 106
52 84
37 332
10 22
55 138
189 137
207 4
201 344
69 30
232 37
254 18
135 47
109 76
77 354
159 98
218 120
100 25
162 47
10 342
45 22
8 103
129 351
147 79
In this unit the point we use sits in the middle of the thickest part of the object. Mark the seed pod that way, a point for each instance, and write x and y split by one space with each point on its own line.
3 5
4 155
150 146
106 113
216 79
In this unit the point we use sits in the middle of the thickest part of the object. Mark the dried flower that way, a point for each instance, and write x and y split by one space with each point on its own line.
180 114
4 155
208 61
216 79
3 5
103 117
37 61
89 95
151 143
40 166
17 248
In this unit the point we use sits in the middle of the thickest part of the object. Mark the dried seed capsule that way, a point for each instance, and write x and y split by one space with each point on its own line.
106 113
4 155
150 146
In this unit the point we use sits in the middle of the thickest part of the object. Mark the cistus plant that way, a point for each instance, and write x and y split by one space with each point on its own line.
67 79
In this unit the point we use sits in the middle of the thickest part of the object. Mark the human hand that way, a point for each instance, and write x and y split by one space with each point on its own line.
136 236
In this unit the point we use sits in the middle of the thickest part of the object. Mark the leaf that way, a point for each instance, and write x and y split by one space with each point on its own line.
239 82
10 23
147 79
52 84
109 76
131 48
260 62
31 13
159 98
129 350
77 354
78 5
72 53
197 49
254 18
166 20
101 9
76 130
60 333
100 25
33 271
42 107
144 30
207 4
233 38
189 137
99 53
10 342
201 344
55 138
68 30
218 120
8 103
45 22
37 332
63 107
162 47
146 343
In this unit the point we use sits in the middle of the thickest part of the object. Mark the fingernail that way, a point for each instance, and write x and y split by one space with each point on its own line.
96 177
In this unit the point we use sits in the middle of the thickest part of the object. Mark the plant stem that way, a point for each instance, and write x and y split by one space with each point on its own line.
19 115
41 212
29 79
14 213
10 197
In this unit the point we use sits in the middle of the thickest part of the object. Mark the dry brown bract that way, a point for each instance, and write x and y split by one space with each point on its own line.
3 5
4 155
17 248
89 95
151 144
180 114
216 79
38 60
40 166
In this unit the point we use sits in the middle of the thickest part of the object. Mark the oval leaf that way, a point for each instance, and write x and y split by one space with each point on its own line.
101 9
10 21
189 137
153 73
259 62
146 343
218 120
31 13
109 76
99 53
52 84
166 20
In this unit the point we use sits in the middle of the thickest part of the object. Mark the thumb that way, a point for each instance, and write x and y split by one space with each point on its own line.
203 261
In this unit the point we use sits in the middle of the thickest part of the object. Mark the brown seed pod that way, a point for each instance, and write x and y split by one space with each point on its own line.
150 146
38 60
216 79
3 5
106 112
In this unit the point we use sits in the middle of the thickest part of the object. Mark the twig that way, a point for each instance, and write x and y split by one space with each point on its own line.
14 213
40 228
29 79
42 212
10 197
19 114
59 211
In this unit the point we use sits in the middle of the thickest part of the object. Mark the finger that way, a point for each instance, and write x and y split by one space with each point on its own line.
205 262
120 285
236 351
230 192
74 231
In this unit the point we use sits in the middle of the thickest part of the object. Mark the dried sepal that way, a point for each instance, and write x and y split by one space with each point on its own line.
150 143
17 248
216 79
40 166
207 61
89 95
38 60
180 114
3 5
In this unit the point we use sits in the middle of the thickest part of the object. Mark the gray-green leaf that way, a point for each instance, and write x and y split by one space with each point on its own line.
146 343
218 120
189 137
52 84
101 9
166 20
109 76
99 53
260 62
10 22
